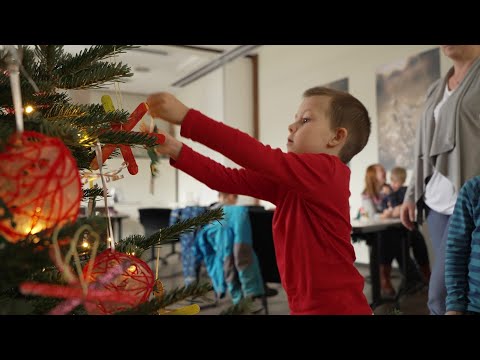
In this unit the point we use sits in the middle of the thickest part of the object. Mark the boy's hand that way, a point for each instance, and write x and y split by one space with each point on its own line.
165 106
170 147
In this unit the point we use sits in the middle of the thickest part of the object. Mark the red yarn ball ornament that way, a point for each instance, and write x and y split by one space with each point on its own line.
137 280
39 183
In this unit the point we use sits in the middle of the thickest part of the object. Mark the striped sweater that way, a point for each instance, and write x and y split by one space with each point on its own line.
462 258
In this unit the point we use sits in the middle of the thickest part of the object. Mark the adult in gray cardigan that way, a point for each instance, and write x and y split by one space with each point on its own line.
447 154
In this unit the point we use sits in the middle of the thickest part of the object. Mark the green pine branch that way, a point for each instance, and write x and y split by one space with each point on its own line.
172 233
93 193
71 135
39 101
79 139
98 224
85 58
127 138
84 156
19 262
151 307
49 57
133 244
243 307
44 101
86 115
96 75
14 306
164 236
3 62
7 128
68 134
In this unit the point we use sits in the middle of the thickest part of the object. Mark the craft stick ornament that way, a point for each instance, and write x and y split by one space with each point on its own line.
107 103
186 310
152 153
126 151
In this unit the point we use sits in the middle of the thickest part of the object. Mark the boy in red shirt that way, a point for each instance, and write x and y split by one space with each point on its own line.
309 186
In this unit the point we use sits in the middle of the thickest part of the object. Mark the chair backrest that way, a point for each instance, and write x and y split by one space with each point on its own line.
255 207
262 236
154 219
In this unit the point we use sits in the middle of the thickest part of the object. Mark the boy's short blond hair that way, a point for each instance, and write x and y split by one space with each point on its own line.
348 112
399 174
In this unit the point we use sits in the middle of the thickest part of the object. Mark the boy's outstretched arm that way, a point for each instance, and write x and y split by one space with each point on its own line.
305 172
215 175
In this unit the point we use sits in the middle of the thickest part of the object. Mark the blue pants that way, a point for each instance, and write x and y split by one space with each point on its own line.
437 292
191 258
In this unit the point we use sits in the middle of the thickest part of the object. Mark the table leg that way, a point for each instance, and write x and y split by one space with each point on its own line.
120 229
374 270
406 255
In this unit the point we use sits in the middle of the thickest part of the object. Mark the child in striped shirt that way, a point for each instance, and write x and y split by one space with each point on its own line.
462 254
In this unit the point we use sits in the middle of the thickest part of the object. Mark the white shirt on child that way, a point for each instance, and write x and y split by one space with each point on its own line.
440 194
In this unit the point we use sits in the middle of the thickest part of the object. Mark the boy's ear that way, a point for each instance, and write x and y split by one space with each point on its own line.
339 137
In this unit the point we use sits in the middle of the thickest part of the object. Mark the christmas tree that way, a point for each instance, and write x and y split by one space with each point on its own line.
51 260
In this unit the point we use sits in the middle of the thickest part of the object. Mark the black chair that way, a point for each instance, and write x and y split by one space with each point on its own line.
154 219
262 237
255 207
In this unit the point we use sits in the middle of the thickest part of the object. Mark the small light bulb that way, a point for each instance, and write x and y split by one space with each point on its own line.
86 245
29 109
132 268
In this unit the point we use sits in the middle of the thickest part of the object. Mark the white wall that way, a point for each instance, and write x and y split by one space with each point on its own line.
205 95
286 71
224 95
238 87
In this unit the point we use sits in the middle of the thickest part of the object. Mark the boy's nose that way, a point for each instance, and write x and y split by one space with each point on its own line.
291 128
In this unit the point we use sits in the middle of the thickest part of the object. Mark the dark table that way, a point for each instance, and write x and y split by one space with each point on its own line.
371 232
117 220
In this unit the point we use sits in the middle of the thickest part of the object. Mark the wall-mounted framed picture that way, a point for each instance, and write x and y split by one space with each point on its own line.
401 89
341 84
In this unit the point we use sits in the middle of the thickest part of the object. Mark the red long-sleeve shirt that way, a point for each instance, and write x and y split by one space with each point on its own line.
311 225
